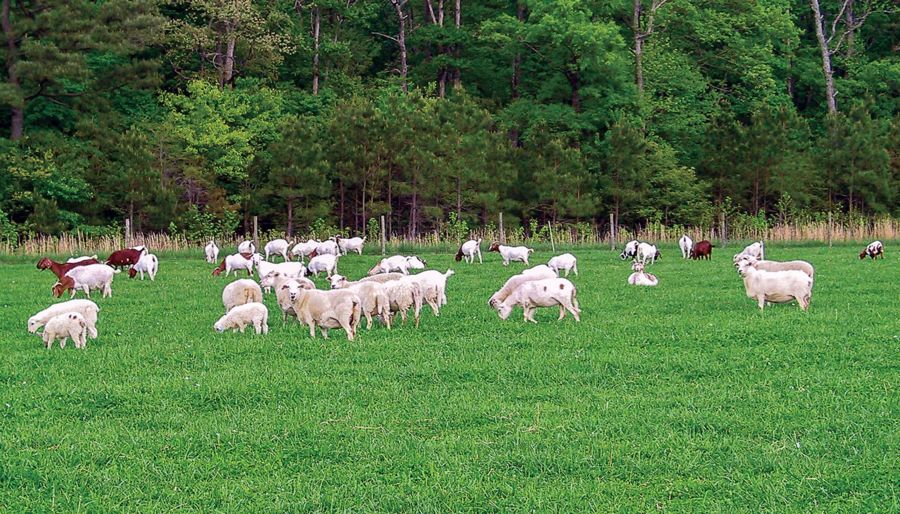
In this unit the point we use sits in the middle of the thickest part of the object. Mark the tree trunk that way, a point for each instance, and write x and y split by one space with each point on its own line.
638 47
341 189
827 70
574 78
290 217
457 15
17 110
401 41
850 21
228 69
316 24
458 195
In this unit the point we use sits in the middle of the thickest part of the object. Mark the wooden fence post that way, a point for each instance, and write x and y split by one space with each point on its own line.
127 233
256 232
383 242
830 228
723 232
552 244
612 232
502 232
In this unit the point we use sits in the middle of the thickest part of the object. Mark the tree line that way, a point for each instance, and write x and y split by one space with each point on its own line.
342 111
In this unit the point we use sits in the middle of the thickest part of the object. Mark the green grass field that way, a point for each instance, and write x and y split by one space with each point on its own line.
683 397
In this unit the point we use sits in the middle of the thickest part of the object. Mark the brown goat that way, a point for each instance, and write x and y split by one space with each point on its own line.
702 250
61 268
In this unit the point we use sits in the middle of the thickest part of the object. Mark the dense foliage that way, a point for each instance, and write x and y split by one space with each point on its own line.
168 111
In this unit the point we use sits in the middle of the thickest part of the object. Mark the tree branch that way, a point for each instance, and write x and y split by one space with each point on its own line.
392 38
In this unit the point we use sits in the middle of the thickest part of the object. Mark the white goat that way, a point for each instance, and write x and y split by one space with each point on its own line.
148 263
469 250
327 247
278 247
292 269
247 247
240 317
873 250
325 262
212 252
685 243
238 262
565 262
776 286
756 250
351 244
304 249
399 263
80 259
511 253
542 293
647 252
640 278
86 278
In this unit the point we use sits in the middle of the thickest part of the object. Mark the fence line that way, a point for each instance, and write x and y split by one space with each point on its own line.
816 231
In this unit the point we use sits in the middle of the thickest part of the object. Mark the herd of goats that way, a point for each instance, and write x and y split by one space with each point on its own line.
390 288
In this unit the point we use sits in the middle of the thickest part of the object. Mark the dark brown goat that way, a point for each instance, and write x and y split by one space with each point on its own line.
702 250
61 268
126 257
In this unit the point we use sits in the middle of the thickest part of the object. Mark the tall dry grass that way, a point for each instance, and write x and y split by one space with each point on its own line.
79 244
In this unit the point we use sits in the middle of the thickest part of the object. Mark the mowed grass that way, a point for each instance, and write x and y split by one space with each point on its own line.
682 397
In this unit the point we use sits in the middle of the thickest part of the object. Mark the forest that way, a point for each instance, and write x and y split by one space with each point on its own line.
204 113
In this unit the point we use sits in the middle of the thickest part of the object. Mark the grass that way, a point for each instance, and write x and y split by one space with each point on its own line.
682 397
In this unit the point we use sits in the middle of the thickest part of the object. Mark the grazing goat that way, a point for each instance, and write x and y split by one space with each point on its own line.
236 262
702 250
647 252
85 278
125 257
873 250
350 244
469 250
565 262
542 272
756 250
511 253
630 251
277 247
60 269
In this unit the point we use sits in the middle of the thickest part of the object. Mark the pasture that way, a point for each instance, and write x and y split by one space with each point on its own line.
683 397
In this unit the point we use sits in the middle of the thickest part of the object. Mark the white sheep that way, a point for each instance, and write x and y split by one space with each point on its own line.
270 280
630 250
238 262
247 248
329 309
148 263
64 326
565 262
756 250
241 316
434 286
240 292
399 263
469 250
776 286
326 262
86 278
277 247
351 244
86 308
685 243
511 253
542 293
382 277
212 252
537 273
404 294
640 278
286 291
80 259
803 266
647 252
293 269
304 249
374 299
